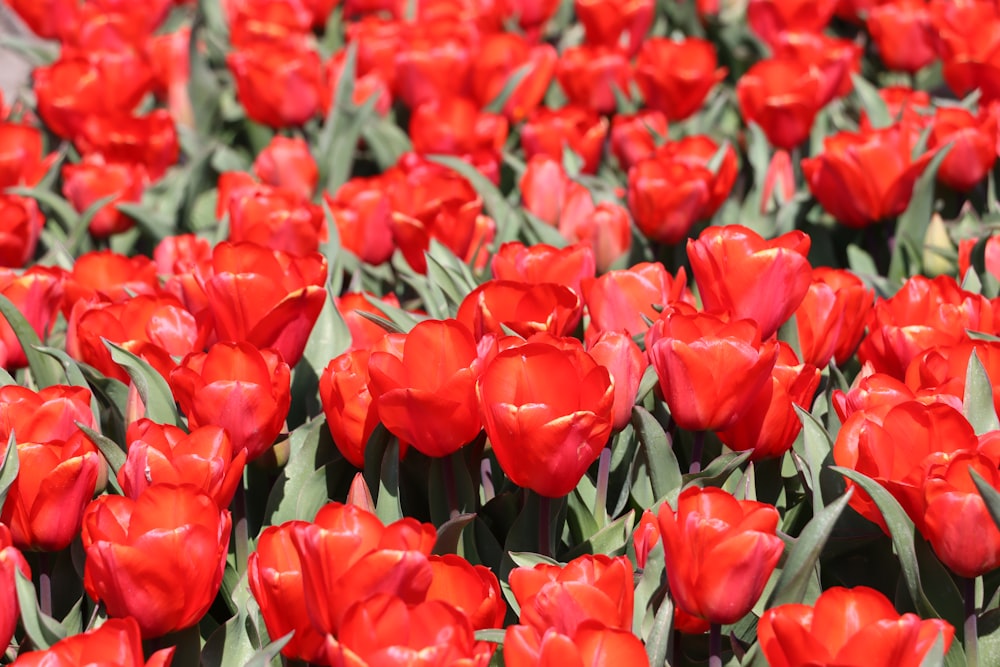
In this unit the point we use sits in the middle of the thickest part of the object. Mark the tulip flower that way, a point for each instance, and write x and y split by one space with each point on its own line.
37 293
148 141
864 178
541 263
832 316
943 369
525 646
471 589
741 275
11 562
667 198
625 299
968 47
607 230
266 297
849 628
719 552
159 558
365 334
363 217
347 403
109 276
524 308
273 218
164 454
20 227
590 75
93 179
546 131
904 35
278 85
687 349
772 18
117 643
22 159
675 77
973 146
834 59
287 163
615 24
274 575
433 60
782 96
547 412
634 137
244 390
500 55
50 19
626 363
426 396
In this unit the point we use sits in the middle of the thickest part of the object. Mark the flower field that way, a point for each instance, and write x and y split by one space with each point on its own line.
555 333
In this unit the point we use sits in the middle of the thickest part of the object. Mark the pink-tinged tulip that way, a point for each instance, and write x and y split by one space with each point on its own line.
688 348
591 646
159 558
117 643
623 300
547 412
37 294
719 552
607 230
744 276
616 351
244 390
266 297
11 561
165 454
427 396
849 627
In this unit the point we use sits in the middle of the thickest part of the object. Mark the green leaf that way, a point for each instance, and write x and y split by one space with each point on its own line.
43 368
801 559
9 467
901 531
659 640
529 559
911 227
231 644
152 388
664 470
990 495
42 630
298 487
402 320
978 403
718 470
935 656
492 636
387 507
263 657
873 104
450 533
816 445
386 140
611 540
111 451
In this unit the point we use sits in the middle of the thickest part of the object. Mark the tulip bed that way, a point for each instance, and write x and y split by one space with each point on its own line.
501 332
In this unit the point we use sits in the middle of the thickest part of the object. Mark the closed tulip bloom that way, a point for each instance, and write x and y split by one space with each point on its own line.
11 561
165 454
500 55
279 85
768 427
623 300
848 628
547 412
607 230
149 141
943 369
542 263
782 96
836 59
427 396
616 24
867 177
667 198
832 316
159 558
591 646
363 216
472 589
244 390
117 643
619 353
275 218
719 552
772 18
37 294
675 77
547 131
266 297
347 403
433 60
634 137
904 34
274 575
688 349
287 163
87 182
20 228
590 75
973 146
742 275
524 308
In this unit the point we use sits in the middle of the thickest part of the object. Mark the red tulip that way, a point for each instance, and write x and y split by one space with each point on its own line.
832 316
624 300
37 294
547 412
237 387
365 334
278 84
667 198
456 126
616 24
93 179
150 140
541 263
348 405
287 163
607 230
969 40
699 151
531 15
942 369
20 228
772 18
590 75
903 32
427 396
117 643
363 216
49 19
848 627
21 155
266 297
782 96
973 146
741 275
546 132
634 137
159 558
274 218
472 590
834 59
170 61
164 454
719 552
676 77
11 561
616 351
433 61
104 274
524 308
687 349
500 56
525 646
864 178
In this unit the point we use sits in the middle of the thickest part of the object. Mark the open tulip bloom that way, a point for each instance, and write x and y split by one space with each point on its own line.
538 333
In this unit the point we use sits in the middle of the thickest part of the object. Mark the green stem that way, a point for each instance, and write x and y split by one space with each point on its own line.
45 583
601 495
696 450
715 645
241 532
544 539
971 624
450 491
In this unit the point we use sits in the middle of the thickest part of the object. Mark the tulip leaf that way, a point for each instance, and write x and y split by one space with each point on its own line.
42 630
450 533
664 470
901 531
230 645
387 505
536 231
718 470
935 656
801 559
490 635
873 104
387 141
990 495
398 319
611 540
74 375
816 448
152 387
911 227
43 369
112 453
263 657
61 208
507 217
9 467
530 559
658 644
978 403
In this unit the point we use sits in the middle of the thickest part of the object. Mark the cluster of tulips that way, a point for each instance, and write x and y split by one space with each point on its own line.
501 332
